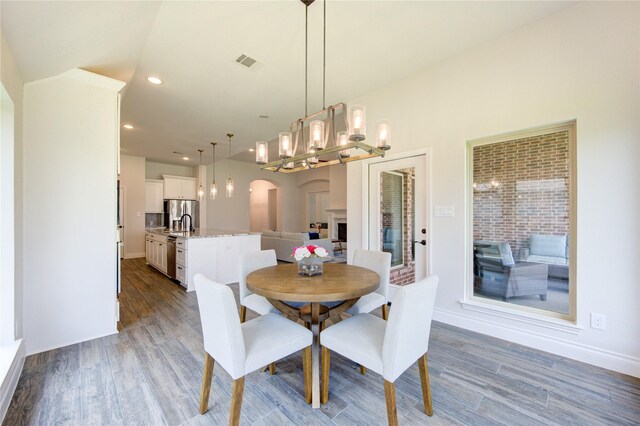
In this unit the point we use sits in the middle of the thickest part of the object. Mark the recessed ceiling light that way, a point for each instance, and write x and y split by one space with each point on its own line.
185 158
154 80
265 116
251 149
128 126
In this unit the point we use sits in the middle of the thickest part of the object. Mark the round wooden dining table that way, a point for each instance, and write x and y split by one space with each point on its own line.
340 283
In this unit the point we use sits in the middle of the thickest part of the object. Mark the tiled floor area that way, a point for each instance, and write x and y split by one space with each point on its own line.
150 373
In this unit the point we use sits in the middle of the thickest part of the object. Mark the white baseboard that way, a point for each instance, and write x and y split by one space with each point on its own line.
134 255
32 351
10 381
591 355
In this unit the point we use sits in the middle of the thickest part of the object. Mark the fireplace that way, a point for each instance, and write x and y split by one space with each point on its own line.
342 232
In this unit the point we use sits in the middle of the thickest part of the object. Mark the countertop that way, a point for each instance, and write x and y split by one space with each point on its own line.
201 233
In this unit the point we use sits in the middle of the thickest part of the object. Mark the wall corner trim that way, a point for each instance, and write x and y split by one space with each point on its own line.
10 381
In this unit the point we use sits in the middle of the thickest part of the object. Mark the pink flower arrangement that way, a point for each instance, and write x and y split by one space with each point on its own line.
300 253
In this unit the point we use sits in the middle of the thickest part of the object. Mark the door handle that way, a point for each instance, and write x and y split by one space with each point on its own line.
423 242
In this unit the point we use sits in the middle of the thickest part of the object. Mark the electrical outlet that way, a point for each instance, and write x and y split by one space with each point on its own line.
598 321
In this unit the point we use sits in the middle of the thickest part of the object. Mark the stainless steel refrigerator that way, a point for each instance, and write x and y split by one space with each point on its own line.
174 209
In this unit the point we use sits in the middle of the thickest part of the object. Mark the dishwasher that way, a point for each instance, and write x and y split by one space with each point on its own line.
171 257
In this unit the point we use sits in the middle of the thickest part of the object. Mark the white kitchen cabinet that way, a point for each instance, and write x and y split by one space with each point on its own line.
179 188
228 259
217 258
156 255
162 256
154 196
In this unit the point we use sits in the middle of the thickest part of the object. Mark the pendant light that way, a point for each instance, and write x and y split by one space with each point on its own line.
229 187
213 192
200 187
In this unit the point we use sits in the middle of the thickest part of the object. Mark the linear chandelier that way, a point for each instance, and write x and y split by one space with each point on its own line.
325 145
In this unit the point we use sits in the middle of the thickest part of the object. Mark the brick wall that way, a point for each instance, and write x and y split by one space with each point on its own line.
521 187
396 210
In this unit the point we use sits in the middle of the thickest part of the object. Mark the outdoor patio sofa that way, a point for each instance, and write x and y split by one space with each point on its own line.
497 274
552 250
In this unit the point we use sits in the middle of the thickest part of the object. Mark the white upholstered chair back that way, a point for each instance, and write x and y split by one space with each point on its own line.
379 262
253 261
406 336
221 329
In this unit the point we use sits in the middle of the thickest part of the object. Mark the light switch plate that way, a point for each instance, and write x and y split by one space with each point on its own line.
443 211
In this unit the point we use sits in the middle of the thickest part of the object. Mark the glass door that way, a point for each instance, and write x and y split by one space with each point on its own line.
398 216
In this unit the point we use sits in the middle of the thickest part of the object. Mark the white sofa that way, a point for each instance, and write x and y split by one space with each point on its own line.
284 243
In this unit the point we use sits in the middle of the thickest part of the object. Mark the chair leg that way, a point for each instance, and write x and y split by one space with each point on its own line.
326 362
385 311
363 370
306 369
426 388
272 368
390 397
206 383
243 313
236 401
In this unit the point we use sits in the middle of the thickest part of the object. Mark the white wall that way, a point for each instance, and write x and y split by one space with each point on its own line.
7 221
70 134
12 82
12 349
132 178
581 64
259 205
233 213
156 170
338 187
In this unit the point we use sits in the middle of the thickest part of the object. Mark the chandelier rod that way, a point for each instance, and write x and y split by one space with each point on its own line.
324 52
306 60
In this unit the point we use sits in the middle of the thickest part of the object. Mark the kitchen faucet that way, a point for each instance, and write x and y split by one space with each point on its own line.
190 228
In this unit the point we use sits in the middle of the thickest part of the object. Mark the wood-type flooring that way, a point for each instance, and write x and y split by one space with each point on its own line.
150 373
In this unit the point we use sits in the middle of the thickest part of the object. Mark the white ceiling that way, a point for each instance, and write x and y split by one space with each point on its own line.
192 47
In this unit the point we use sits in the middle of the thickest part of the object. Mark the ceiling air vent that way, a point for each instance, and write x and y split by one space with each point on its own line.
245 60
248 61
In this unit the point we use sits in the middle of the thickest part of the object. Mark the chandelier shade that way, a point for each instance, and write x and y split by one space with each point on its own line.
383 135
262 152
286 145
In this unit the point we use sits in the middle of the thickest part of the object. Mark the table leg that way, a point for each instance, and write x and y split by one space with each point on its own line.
315 354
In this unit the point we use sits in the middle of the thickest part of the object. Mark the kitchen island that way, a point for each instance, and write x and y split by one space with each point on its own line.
212 252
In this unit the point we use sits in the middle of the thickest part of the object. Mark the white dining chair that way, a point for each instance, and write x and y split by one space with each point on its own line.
250 262
387 347
241 348
379 262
